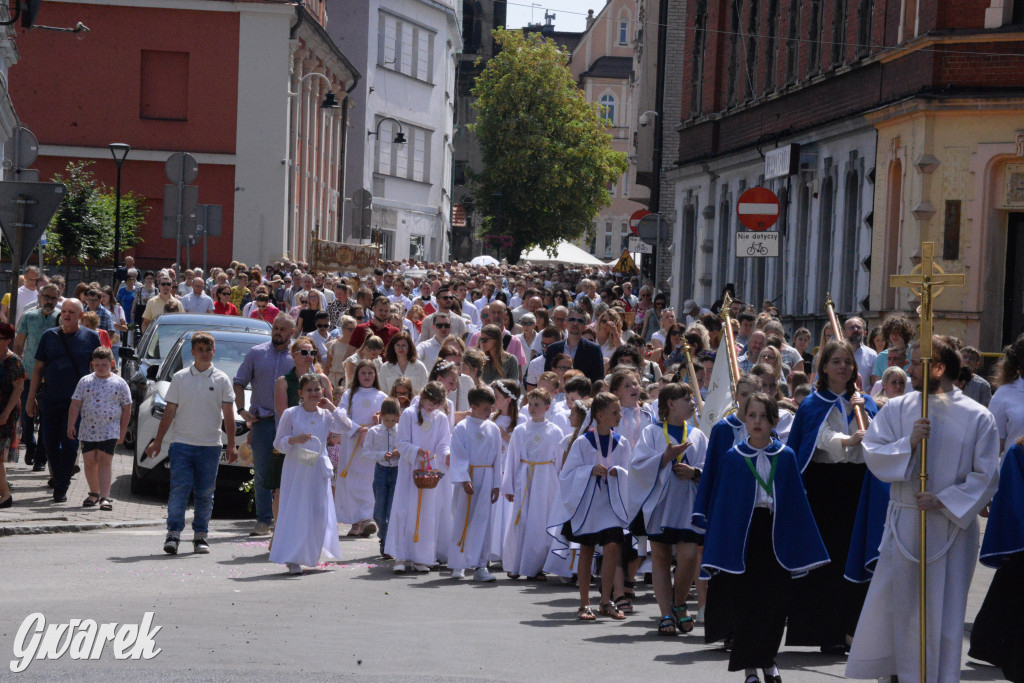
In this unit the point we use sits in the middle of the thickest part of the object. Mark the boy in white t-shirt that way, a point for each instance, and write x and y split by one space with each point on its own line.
104 402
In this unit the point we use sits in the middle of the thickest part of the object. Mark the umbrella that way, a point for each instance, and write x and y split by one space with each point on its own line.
484 260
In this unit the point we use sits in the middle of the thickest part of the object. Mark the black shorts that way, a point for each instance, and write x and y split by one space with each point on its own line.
611 535
104 446
673 536
272 478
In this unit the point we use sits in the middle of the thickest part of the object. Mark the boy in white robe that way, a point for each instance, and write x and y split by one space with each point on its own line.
531 484
963 461
475 474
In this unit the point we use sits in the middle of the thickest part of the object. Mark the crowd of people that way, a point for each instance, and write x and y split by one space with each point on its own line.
549 420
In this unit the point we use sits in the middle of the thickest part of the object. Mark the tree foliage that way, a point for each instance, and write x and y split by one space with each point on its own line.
547 153
82 230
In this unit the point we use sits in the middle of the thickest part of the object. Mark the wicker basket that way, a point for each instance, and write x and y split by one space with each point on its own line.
305 455
426 479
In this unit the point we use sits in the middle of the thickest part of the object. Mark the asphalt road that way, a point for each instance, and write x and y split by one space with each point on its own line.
232 615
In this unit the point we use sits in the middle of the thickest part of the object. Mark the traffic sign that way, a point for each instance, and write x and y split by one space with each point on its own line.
25 211
634 220
181 167
758 208
637 245
653 229
190 200
625 264
757 244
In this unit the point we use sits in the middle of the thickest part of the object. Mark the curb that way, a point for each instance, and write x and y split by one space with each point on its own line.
70 527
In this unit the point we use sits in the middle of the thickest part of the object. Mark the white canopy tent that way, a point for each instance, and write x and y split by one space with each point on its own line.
566 253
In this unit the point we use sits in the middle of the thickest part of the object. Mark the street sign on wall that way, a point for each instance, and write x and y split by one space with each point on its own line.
758 208
638 246
757 244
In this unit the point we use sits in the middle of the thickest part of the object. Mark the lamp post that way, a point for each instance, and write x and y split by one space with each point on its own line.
119 150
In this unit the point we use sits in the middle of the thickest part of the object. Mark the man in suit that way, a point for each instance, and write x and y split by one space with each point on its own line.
586 355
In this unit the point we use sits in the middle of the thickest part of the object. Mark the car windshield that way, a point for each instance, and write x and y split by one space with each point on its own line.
163 338
227 356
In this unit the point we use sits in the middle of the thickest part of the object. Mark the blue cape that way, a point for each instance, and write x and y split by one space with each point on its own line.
1004 533
807 423
868 525
723 437
797 544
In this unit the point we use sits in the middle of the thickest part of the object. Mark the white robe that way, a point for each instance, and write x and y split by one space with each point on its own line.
633 423
306 523
353 484
531 476
591 503
406 541
963 461
665 500
503 508
476 457
561 558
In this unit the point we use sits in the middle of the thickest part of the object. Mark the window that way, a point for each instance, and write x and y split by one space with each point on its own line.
814 33
699 41
826 220
839 32
908 20
734 54
688 253
851 243
163 91
623 32
608 113
771 52
608 240
752 36
724 241
793 43
417 247
624 234
405 47
410 160
865 15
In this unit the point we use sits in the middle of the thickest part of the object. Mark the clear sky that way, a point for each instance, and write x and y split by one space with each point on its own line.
570 15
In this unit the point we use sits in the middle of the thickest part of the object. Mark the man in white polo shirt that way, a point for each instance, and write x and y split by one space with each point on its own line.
199 397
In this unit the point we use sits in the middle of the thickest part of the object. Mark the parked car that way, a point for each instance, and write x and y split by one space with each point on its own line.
139 365
151 474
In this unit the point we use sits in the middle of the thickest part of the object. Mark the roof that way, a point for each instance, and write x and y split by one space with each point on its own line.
567 40
609 67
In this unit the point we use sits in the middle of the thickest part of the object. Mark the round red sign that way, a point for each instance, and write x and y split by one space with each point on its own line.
758 208
634 220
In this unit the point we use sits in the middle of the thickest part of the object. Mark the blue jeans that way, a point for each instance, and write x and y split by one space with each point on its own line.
384 480
193 471
263 433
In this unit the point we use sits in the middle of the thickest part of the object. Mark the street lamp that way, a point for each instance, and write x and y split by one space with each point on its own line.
399 136
119 150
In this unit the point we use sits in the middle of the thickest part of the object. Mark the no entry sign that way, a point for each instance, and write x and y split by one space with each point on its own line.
634 220
758 208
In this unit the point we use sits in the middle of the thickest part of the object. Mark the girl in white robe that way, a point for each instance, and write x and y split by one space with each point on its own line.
562 558
476 462
593 485
424 438
507 416
306 523
353 490
663 476
531 485
447 373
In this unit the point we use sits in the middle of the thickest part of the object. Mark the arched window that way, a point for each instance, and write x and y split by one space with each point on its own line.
688 254
893 209
851 243
608 102
826 221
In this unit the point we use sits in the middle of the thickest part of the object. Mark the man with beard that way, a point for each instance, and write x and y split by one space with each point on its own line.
377 326
260 370
854 330
31 326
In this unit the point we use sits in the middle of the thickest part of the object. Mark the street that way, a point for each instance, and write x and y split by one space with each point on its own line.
232 615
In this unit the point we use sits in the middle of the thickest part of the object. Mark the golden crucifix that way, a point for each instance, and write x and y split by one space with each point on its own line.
927 281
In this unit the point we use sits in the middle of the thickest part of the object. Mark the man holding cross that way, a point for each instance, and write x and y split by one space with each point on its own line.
963 450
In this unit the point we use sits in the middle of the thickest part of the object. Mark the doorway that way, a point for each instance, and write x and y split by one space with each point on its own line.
1013 313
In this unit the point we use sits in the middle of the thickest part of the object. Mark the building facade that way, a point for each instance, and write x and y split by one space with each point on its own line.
206 77
8 58
408 51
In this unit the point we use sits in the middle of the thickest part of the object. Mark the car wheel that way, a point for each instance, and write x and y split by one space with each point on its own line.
129 433
139 484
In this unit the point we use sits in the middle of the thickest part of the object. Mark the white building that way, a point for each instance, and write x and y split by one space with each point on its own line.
407 51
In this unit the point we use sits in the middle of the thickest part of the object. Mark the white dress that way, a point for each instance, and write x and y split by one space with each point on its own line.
413 527
306 524
963 462
353 484
531 475
1007 406
503 508
665 500
476 457
561 558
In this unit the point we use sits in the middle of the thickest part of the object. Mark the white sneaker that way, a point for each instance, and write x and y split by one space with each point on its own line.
260 529
458 574
422 568
399 567
482 575
294 568
700 616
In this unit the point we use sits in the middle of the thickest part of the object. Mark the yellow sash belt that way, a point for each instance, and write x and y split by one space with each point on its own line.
529 482
469 501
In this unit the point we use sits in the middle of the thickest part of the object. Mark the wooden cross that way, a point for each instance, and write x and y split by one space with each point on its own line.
927 281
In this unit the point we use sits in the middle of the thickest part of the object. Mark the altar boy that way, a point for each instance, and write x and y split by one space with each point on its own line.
476 475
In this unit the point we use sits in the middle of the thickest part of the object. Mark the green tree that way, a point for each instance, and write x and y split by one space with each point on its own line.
546 151
82 230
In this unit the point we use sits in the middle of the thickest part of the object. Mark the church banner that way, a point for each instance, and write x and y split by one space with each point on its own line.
346 258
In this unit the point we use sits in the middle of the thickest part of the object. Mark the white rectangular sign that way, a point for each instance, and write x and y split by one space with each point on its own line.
637 245
779 163
752 244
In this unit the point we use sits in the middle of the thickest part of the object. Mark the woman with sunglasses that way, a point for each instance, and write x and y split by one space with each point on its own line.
652 319
222 301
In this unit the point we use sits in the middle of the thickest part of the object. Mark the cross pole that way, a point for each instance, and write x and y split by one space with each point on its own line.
730 347
927 281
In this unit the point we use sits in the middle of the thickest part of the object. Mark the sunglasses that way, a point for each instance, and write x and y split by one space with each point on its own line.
165 284
322 327
577 320
305 352
443 326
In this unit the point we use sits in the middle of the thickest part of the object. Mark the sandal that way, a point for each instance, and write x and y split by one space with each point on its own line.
609 609
628 589
685 621
624 603
585 614
539 576
106 504
667 626
512 576
91 500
